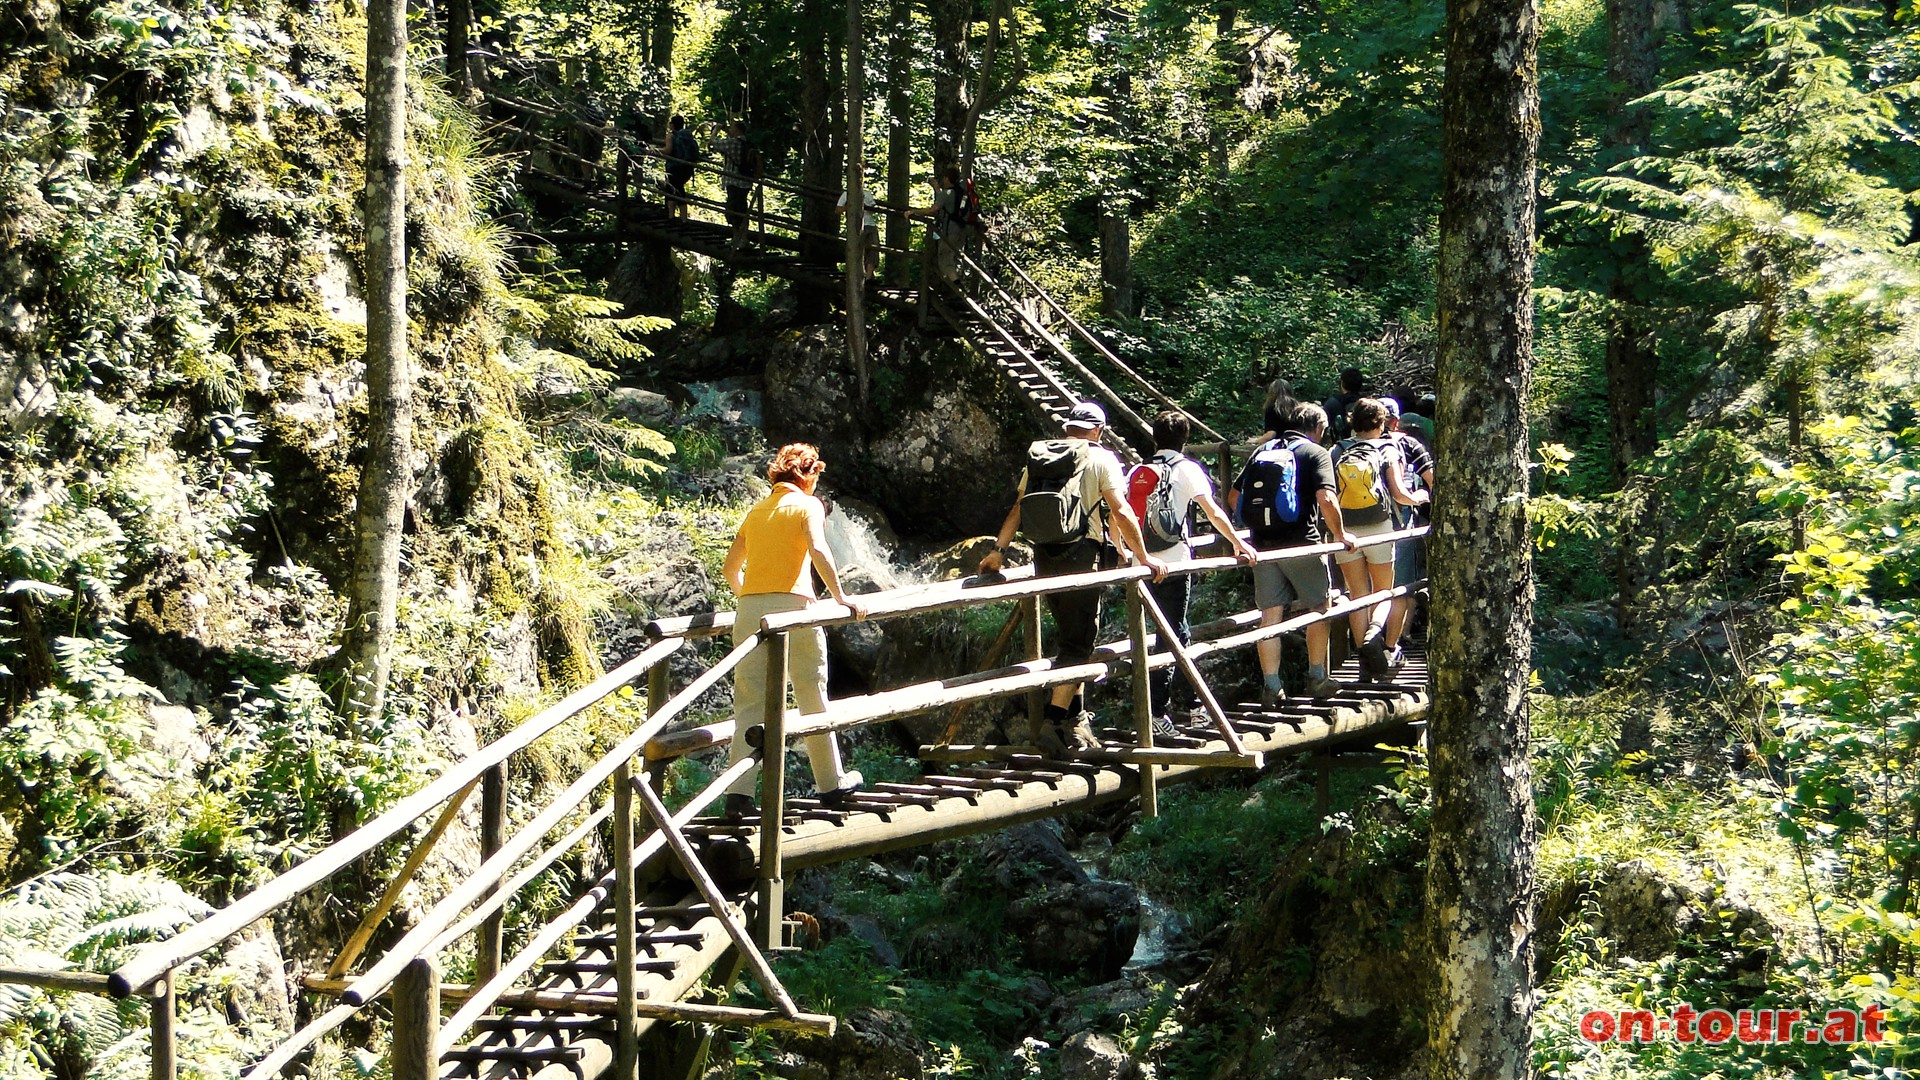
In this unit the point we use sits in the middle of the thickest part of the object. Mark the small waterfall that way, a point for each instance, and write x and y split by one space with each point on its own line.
856 544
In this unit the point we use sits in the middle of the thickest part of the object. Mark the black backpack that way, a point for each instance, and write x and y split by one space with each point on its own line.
685 149
1270 490
1052 511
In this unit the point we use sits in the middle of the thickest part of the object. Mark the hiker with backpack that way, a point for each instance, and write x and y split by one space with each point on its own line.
1069 505
1277 409
954 216
770 566
682 152
1352 384
1162 492
1409 556
1284 497
742 164
1370 475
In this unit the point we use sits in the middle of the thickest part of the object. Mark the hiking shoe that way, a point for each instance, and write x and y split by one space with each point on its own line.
739 806
1396 660
1079 736
1047 737
1323 688
1164 727
1373 656
1270 698
837 798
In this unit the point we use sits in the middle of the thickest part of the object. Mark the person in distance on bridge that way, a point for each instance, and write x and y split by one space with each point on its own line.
1352 384
1071 501
1162 493
1370 476
1278 409
1276 496
767 569
742 165
1409 556
681 153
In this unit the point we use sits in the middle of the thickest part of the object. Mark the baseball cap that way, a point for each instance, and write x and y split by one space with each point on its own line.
1393 408
1086 415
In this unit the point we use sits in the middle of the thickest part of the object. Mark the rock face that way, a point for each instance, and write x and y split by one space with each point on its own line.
939 445
1066 922
1645 914
1327 975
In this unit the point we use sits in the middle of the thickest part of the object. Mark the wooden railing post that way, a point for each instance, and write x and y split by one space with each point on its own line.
626 1039
165 1004
416 1020
1036 699
659 689
493 833
1142 697
773 794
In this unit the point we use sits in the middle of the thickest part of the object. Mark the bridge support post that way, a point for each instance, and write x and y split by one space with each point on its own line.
659 689
164 1005
773 796
1142 697
416 1020
1036 699
626 1061
493 833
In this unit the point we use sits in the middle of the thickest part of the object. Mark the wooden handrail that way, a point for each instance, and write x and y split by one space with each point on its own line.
155 960
413 946
76 982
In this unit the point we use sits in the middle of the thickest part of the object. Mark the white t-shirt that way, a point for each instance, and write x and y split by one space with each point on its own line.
866 210
1190 481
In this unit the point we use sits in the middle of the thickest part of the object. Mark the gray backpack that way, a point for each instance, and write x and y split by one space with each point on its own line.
1052 512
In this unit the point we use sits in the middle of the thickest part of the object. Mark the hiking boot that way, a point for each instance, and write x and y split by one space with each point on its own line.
1164 727
837 798
1046 736
1079 735
739 806
1270 698
1322 688
1373 657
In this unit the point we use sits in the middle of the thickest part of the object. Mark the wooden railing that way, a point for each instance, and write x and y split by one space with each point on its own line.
632 771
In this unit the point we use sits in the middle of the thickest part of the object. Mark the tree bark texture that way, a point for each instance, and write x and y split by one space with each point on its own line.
950 106
1116 259
899 135
459 40
385 474
1480 880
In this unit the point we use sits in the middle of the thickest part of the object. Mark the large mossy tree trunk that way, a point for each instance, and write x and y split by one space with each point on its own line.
373 593
1480 876
950 20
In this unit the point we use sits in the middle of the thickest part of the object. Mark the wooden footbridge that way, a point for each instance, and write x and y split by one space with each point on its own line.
687 898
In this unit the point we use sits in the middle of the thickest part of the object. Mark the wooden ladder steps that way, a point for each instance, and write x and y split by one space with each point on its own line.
577 966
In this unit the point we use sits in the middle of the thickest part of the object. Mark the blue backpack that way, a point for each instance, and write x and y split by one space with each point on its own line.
1270 490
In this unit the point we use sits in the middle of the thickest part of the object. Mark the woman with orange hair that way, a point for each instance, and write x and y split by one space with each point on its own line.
768 570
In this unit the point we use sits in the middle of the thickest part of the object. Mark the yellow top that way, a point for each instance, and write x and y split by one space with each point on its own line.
778 533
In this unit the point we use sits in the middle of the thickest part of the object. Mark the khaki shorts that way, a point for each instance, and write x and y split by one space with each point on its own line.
1378 554
1302 583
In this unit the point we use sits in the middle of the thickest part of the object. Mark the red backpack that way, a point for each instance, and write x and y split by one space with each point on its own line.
1150 494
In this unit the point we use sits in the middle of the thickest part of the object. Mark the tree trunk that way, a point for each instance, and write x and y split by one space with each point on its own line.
899 135
818 169
1225 83
660 55
856 202
1632 67
1480 882
950 106
385 476
983 90
1116 259
459 27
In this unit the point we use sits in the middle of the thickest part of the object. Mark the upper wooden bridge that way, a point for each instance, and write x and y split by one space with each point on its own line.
687 898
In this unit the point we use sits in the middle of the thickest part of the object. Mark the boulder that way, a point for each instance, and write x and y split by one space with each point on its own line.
870 1044
642 407
1092 1056
1067 929
1647 913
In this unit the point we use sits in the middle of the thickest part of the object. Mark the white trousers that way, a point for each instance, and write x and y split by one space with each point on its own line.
807 670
